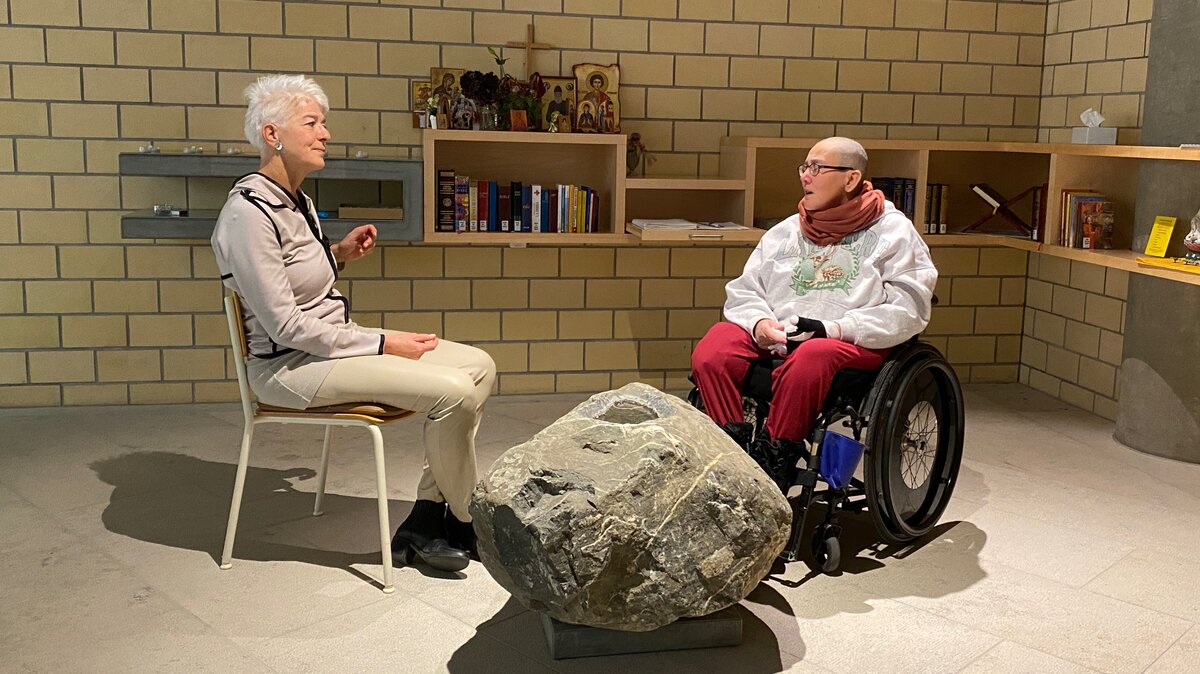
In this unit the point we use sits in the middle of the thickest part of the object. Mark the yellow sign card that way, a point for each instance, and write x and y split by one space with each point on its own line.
1160 235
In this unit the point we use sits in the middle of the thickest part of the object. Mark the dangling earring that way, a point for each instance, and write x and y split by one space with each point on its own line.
278 146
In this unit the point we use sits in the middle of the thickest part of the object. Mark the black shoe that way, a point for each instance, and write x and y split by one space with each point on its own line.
741 432
436 554
777 459
461 535
422 537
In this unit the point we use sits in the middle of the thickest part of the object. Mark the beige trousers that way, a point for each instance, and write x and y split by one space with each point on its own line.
449 385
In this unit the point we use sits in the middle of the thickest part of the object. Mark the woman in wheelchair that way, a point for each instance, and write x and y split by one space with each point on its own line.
837 285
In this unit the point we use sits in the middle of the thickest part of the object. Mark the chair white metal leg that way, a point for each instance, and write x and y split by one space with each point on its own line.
322 472
236 506
385 542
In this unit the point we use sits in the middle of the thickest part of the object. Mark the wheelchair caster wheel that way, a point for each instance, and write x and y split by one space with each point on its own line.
826 550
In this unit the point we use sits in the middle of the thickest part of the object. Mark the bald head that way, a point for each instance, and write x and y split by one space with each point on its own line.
842 162
844 152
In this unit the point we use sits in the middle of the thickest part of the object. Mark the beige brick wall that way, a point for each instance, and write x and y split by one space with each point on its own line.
1095 57
1074 332
978 319
87 317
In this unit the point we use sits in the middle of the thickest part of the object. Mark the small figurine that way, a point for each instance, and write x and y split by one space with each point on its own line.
1192 241
635 154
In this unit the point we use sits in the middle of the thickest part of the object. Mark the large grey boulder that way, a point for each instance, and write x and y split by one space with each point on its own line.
629 512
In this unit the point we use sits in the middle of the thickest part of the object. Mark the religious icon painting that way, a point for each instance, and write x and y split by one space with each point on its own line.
597 108
446 89
421 91
559 98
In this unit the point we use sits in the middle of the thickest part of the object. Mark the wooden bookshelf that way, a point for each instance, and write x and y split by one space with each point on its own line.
595 160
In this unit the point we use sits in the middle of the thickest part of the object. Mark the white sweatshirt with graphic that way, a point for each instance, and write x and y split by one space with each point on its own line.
874 288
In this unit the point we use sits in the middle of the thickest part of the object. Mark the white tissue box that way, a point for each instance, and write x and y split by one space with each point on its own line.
1094 135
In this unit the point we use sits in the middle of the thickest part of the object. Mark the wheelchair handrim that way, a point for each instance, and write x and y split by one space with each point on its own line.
904 512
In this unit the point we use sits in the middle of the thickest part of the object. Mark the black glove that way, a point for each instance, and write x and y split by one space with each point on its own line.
805 329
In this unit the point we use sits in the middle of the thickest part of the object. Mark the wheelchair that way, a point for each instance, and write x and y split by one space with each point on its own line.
909 416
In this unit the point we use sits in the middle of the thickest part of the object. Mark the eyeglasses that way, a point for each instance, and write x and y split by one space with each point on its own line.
814 169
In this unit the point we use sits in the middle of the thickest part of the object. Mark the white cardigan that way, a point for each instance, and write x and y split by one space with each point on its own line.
271 252
874 288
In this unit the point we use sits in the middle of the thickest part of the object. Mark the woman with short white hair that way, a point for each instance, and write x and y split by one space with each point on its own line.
306 352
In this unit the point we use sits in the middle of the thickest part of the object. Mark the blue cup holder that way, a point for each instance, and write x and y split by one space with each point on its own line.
839 458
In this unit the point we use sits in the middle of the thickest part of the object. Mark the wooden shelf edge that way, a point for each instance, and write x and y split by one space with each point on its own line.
968 239
526 137
1125 260
1078 149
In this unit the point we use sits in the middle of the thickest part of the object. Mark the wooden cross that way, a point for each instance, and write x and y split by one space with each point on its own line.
528 45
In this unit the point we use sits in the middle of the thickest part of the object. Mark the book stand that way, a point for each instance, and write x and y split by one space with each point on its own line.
1000 207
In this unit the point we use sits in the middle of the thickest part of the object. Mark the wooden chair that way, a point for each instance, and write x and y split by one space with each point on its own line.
362 415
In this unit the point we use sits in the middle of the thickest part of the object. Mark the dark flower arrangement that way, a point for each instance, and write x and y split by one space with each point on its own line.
482 88
506 93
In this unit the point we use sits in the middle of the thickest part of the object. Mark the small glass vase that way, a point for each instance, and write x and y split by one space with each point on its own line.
487 118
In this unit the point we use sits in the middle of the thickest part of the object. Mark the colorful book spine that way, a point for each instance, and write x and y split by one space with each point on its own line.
535 205
927 217
504 208
944 210
514 191
527 208
447 201
461 196
473 208
493 207
910 197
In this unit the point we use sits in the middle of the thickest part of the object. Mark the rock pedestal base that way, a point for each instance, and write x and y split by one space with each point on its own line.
723 628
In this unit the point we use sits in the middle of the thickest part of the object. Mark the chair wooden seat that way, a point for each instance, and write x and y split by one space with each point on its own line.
362 415
370 412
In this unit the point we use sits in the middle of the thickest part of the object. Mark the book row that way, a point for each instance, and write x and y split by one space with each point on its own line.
466 204
902 192
937 209
1087 220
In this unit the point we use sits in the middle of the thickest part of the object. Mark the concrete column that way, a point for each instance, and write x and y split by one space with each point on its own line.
1158 405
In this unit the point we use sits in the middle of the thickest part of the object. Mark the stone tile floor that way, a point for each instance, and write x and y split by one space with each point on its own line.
1062 551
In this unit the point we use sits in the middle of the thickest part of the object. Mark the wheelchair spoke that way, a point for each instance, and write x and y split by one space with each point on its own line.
919 445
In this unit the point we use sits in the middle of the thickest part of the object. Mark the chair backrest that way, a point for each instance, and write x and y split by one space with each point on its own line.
237 339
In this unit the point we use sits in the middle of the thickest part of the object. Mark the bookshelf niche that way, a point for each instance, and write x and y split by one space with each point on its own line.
545 159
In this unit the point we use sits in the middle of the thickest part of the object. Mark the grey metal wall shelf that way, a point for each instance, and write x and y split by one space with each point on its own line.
233 166
199 224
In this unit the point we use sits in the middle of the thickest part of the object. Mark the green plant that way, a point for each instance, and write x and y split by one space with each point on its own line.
499 61
517 95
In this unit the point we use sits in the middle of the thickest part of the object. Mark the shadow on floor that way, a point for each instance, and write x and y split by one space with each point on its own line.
955 545
192 510
758 652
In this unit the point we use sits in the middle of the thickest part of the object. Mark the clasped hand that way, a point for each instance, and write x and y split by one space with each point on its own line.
772 335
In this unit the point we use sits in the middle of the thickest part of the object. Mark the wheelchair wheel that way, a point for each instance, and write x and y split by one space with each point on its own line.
914 443
826 549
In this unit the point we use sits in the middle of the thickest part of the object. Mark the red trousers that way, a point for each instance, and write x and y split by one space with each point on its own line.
798 386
